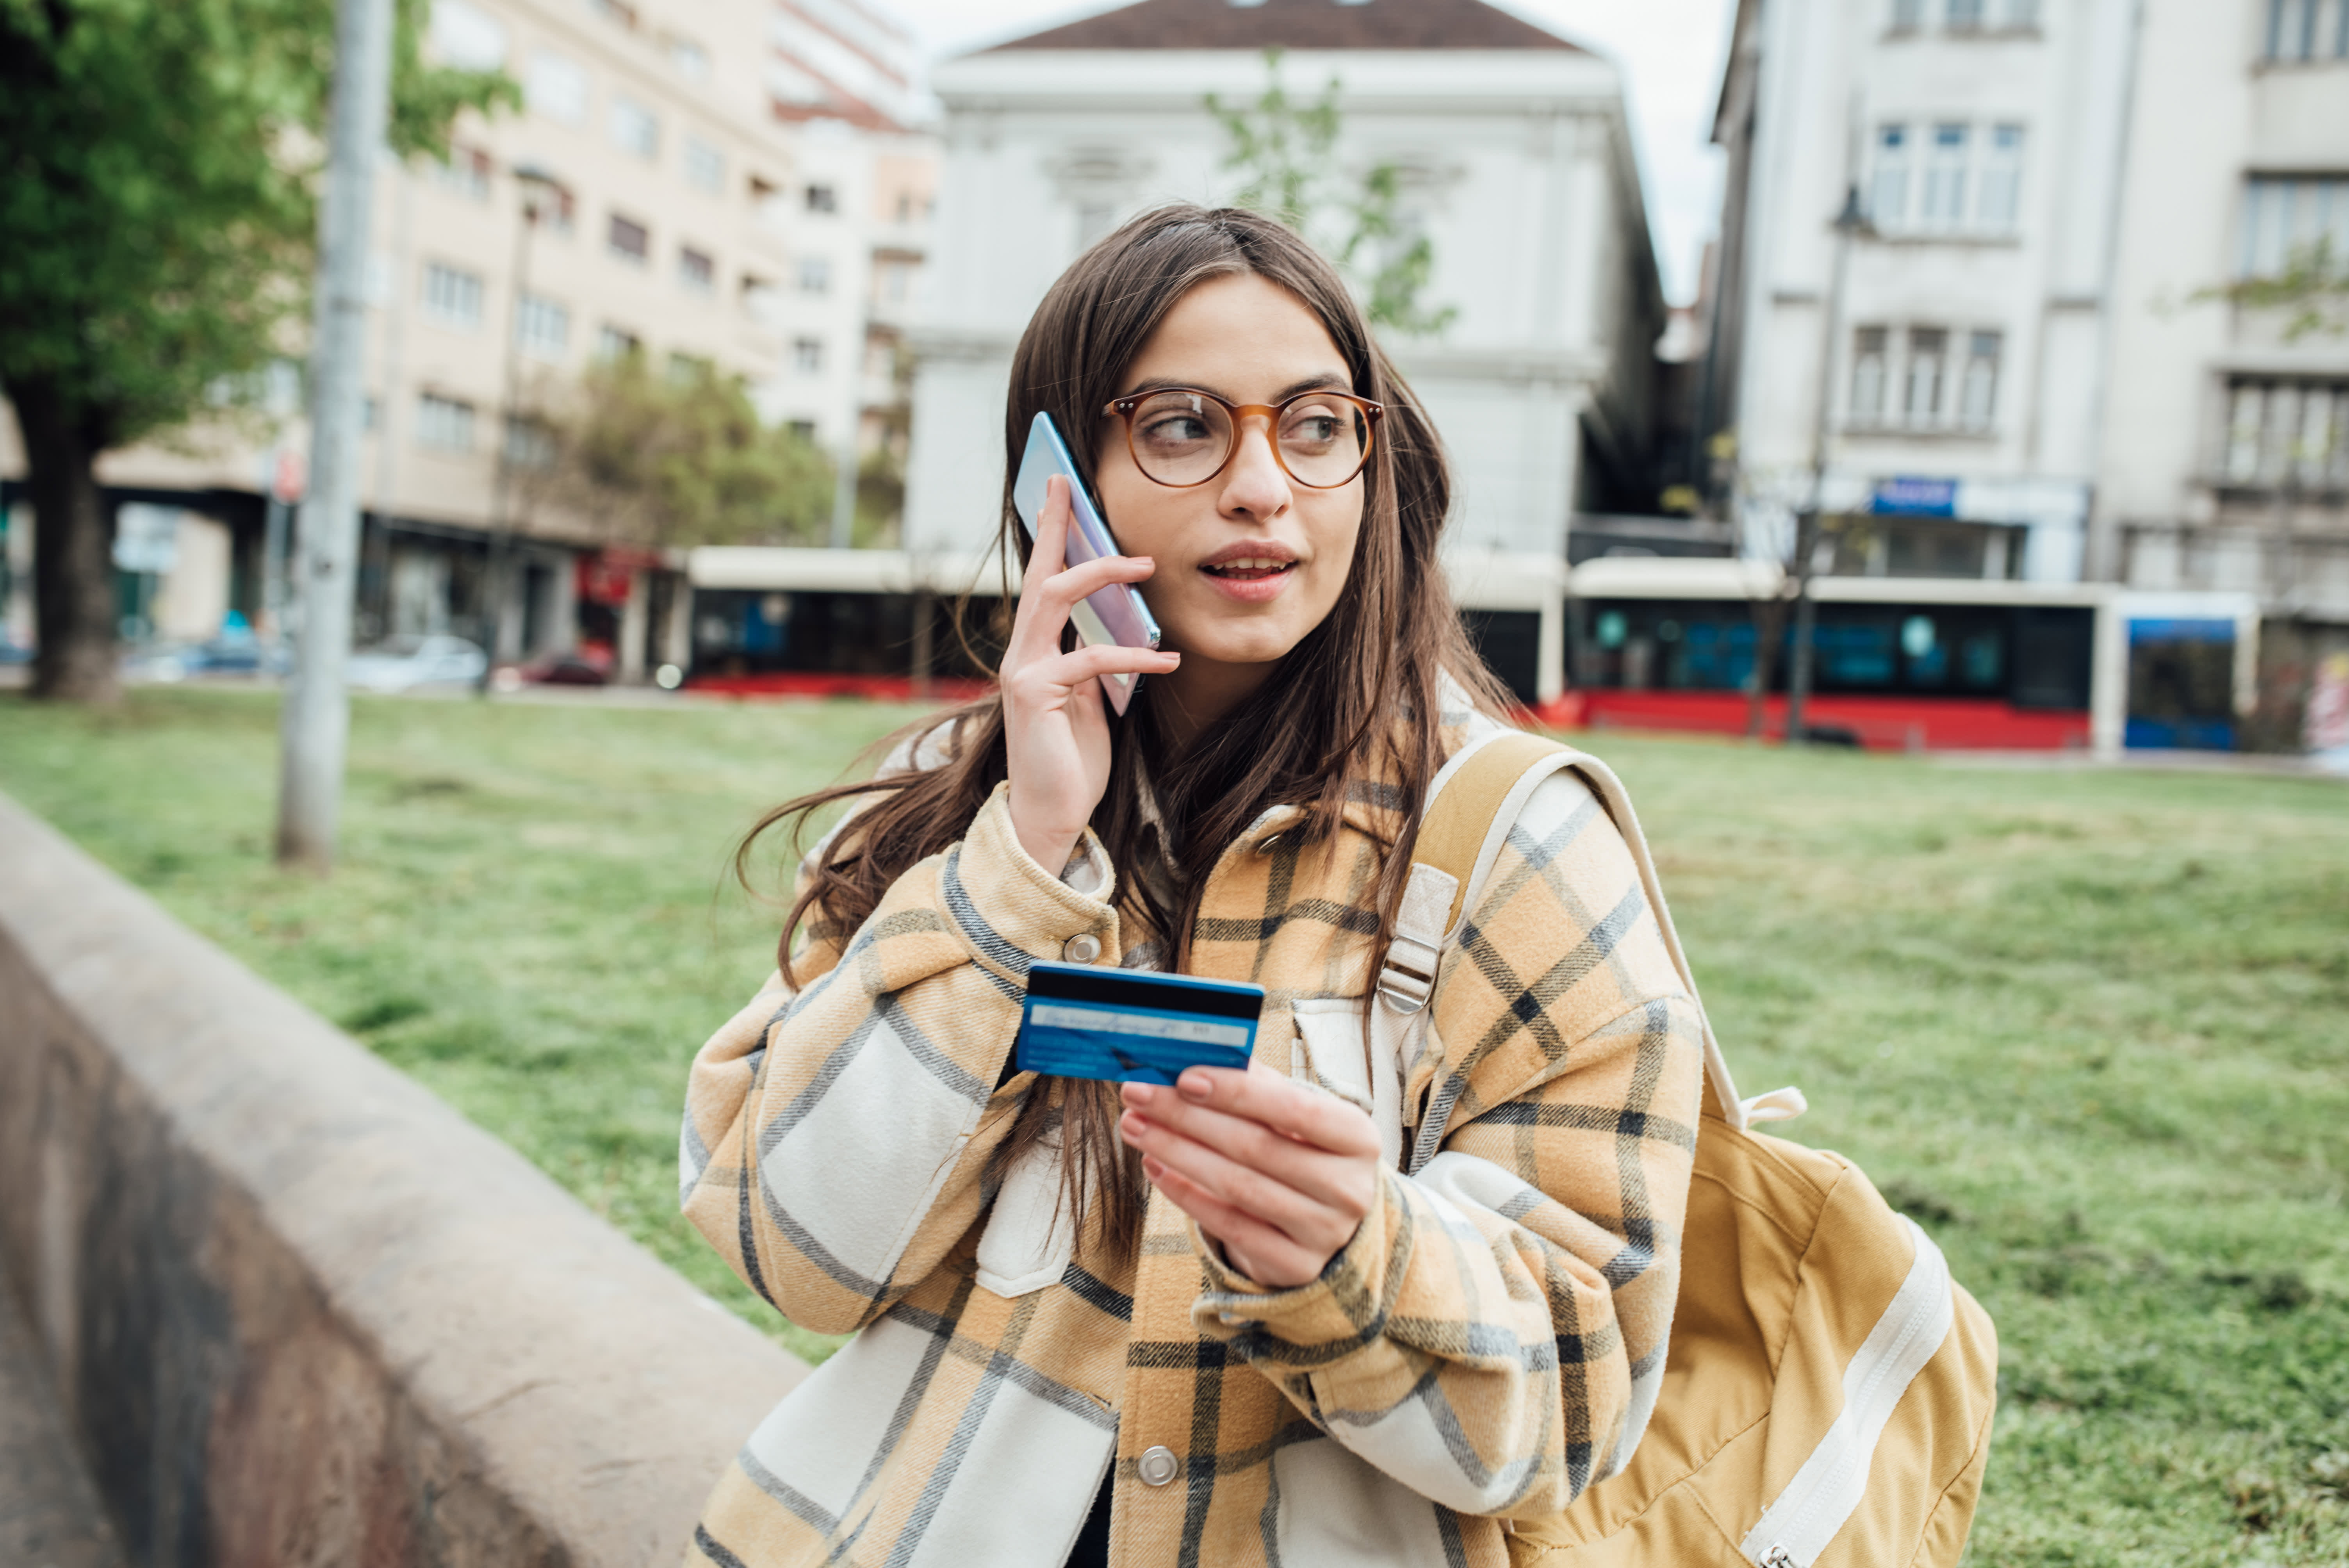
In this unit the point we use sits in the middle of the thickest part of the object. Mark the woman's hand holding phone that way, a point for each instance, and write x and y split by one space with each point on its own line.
1055 722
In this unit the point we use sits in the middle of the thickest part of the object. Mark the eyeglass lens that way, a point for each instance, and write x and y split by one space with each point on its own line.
1182 438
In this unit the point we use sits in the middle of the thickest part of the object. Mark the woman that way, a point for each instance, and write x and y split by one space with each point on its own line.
1208 1323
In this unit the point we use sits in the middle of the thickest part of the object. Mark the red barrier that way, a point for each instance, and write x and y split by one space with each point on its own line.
1880 723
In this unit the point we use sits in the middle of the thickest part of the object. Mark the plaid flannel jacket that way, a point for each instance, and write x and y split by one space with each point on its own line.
1489 1343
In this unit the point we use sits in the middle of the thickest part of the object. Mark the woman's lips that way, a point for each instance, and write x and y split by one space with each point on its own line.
1251 582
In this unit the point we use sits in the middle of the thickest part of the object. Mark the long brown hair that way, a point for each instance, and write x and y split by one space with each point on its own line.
1354 704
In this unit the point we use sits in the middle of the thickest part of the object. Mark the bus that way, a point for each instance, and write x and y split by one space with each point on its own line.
1912 663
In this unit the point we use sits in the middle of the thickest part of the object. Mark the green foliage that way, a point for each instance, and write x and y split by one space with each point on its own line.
2085 1026
678 457
2313 291
1287 152
158 204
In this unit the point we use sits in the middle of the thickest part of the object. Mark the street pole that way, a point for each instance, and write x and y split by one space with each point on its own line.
1848 222
315 720
531 183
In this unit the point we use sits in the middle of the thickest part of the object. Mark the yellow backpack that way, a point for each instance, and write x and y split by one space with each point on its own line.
1829 1389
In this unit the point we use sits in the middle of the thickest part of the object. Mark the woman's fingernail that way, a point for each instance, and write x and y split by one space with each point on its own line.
1152 1169
1195 1085
1139 1094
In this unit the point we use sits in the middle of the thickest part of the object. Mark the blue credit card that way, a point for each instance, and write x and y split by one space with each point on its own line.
1130 1025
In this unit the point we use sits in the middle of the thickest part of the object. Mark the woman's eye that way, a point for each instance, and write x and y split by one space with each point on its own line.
1175 431
1316 428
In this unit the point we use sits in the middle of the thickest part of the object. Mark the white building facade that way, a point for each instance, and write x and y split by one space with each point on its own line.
1963 355
1516 160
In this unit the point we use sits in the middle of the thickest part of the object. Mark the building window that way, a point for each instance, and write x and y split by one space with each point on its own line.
804 430
530 444
1978 394
2307 30
629 240
617 12
2022 15
615 343
690 369
1965 16
543 327
466 172
2002 181
1888 196
697 270
555 88
632 127
1867 357
1921 402
822 199
1945 176
466 36
556 208
815 275
453 294
1907 15
2285 433
807 356
761 300
444 424
705 166
2286 220
690 59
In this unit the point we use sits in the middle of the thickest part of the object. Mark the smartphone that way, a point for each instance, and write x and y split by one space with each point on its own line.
1114 614
1080 1021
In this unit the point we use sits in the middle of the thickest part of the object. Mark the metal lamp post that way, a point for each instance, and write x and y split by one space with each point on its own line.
313 725
535 187
1849 224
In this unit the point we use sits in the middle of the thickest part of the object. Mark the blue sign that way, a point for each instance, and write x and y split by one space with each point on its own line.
2180 629
1907 496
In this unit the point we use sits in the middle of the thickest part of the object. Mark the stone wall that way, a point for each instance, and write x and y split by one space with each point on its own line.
299 1310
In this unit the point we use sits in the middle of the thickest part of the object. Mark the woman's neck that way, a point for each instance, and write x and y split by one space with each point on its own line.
1197 696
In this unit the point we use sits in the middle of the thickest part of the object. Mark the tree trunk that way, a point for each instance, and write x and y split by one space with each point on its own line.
73 549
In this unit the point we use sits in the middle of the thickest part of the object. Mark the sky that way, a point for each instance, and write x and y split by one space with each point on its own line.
1670 52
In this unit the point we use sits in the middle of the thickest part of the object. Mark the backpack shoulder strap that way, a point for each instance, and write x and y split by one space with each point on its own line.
1472 803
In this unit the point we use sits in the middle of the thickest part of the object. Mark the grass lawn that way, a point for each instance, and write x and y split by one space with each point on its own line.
2092 1029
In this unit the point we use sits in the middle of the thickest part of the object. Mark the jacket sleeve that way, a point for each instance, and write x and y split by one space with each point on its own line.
836 1140
1494 1334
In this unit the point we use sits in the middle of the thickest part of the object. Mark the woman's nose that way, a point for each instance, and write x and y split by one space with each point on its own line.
1255 483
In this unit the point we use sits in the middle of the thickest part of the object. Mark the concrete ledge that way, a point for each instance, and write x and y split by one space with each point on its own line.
300 1311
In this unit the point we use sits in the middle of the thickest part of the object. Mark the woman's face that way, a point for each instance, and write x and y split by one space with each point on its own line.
1251 561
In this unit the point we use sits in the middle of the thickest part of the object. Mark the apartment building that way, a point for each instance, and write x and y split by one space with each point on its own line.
1960 345
2224 462
701 181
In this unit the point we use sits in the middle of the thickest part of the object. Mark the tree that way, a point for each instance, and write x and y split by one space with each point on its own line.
157 206
1289 153
674 458
2313 289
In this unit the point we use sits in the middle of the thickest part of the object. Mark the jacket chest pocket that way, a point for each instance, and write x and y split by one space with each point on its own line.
1333 1053
1031 1235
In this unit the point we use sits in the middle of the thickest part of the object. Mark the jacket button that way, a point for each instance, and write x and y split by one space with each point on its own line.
1081 949
1157 1467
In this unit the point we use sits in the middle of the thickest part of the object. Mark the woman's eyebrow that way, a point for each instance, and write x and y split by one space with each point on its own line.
1322 381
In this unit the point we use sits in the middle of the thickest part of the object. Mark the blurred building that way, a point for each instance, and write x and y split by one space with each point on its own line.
1515 160
2026 370
729 183
2224 460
